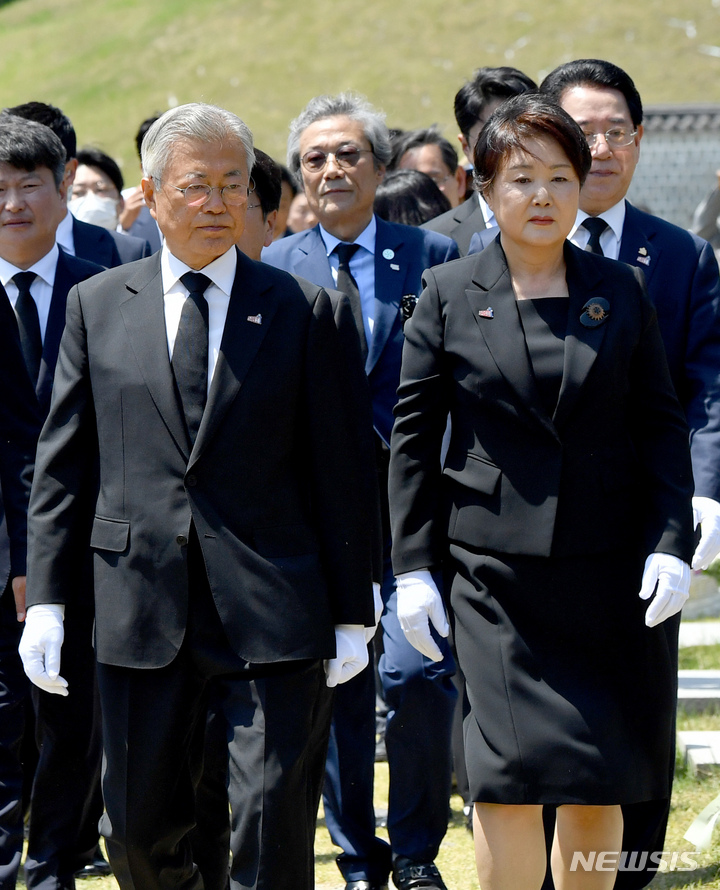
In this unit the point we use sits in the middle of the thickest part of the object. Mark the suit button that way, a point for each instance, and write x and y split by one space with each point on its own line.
191 481
181 540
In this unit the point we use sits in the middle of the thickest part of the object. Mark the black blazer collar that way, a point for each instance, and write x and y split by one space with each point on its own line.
505 339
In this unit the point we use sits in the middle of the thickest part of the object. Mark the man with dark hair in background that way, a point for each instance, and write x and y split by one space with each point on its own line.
36 276
135 218
429 152
78 238
475 101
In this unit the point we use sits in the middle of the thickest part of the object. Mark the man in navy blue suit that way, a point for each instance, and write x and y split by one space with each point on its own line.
35 277
341 146
681 274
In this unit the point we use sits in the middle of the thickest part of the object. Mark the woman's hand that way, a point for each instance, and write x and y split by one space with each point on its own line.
418 604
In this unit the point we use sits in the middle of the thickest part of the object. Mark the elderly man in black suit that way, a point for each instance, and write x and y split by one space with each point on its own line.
36 276
201 409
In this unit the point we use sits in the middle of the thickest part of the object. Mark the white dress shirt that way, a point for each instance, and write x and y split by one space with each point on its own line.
610 238
362 268
222 274
41 289
64 234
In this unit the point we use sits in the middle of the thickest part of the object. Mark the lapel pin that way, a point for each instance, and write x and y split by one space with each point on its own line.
645 260
395 267
486 313
388 254
595 312
255 319
642 251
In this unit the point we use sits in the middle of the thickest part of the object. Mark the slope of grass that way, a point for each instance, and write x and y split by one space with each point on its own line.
111 63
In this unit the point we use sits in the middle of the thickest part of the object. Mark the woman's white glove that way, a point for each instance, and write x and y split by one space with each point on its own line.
671 576
378 608
706 513
418 604
351 654
40 647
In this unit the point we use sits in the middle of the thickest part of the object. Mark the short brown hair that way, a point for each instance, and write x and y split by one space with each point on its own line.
518 120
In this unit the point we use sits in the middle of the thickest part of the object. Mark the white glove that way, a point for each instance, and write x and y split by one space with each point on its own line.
378 606
352 654
40 647
418 604
706 513
672 577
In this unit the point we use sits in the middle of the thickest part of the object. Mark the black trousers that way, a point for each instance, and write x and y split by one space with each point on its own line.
276 730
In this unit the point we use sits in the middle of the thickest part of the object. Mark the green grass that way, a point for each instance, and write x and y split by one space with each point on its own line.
111 63
699 658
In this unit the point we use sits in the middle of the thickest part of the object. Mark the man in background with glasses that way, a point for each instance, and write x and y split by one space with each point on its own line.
198 409
341 146
681 274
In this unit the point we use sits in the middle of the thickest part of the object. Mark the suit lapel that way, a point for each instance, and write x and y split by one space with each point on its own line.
391 268
144 315
581 343
636 248
309 259
251 298
503 332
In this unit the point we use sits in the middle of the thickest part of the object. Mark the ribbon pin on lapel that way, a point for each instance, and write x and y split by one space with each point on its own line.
642 256
595 312
486 313
255 319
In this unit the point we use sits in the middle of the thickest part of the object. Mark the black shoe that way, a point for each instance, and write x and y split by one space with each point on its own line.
364 885
99 867
410 875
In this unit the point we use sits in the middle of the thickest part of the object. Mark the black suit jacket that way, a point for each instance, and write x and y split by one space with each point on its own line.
269 486
106 248
610 467
19 427
460 223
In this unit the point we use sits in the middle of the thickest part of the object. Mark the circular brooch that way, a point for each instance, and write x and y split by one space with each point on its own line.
595 312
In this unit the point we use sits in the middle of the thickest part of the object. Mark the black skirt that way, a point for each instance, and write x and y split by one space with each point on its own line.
571 697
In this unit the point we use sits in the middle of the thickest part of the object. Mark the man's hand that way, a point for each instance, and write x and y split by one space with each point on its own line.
706 513
672 577
378 607
351 657
418 604
40 647
133 204
18 589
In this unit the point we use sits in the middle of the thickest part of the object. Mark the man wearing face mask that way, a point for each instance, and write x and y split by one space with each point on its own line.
97 189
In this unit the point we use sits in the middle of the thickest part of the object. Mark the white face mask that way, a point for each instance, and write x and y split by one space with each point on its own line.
91 208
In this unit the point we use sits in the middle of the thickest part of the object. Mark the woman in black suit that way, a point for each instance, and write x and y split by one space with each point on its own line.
565 491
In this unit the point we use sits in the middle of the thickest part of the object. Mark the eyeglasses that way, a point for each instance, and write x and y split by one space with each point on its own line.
346 157
233 194
438 179
616 137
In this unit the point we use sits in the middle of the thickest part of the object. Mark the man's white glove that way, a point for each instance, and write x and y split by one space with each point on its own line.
351 657
672 577
706 513
40 647
378 608
419 603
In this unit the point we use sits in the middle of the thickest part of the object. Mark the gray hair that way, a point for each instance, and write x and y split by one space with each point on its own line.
195 122
344 105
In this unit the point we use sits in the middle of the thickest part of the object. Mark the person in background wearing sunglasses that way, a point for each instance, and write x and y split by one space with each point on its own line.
341 146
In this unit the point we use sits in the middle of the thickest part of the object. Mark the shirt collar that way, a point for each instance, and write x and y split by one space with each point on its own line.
220 271
365 239
614 217
44 268
64 233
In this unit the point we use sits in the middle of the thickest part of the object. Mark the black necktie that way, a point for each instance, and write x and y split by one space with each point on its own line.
347 284
596 226
190 353
28 324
